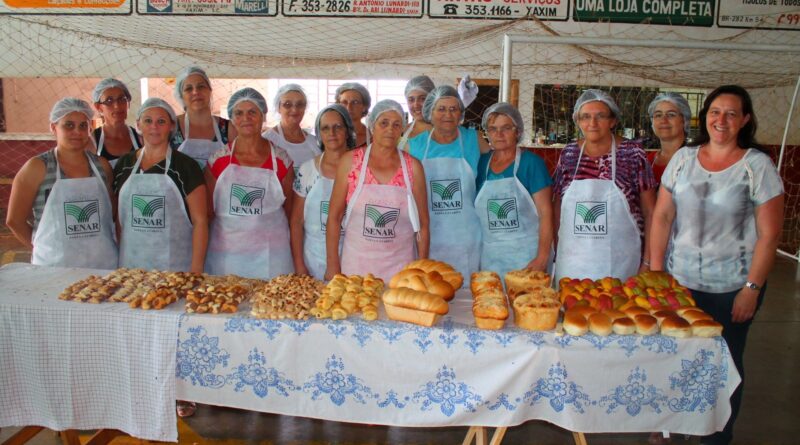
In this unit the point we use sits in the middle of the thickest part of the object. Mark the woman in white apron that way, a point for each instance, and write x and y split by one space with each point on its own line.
449 153
161 199
66 193
249 184
417 89
290 103
670 116
313 188
115 138
598 234
199 133
380 194
356 98
514 198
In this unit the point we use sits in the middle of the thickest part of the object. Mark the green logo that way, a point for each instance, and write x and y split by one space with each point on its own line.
323 214
590 214
445 195
502 214
148 208
81 214
379 222
151 211
590 218
501 211
81 217
249 199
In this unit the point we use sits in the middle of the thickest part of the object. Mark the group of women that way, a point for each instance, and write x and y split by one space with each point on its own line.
358 197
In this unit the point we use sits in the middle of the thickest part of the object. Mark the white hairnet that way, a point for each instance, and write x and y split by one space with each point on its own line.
247 95
361 89
419 83
440 92
677 100
181 78
67 105
276 102
592 95
348 125
383 107
505 109
107 83
155 102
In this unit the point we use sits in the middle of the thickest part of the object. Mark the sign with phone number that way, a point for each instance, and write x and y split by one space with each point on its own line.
499 9
65 7
208 7
353 8
765 14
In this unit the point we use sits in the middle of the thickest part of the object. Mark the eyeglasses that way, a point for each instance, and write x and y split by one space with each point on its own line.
335 128
669 115
296 105
110 101
354 102
504 129
444 109
585 117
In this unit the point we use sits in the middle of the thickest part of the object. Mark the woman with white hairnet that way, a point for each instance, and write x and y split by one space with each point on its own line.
161 199
604 197
514 198
449 152
313 188
380 193
115 138
670 116
249 182
356 98
60 200
417 89
290 103
199 134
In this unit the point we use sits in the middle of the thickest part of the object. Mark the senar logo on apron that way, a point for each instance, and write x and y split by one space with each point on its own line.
445 195
590 218
81 217
149 212
379 221
502 214
249 199
323 214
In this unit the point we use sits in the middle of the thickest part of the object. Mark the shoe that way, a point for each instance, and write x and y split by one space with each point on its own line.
658 439
185 409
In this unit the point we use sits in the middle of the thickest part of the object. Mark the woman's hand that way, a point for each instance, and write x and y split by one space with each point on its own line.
744 305
538 263
331 271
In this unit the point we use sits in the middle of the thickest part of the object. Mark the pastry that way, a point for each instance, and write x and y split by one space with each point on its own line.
447 271
706 328
676 327
623 326
600 324
646 324
413 306
484 280
417 279
575 324
537 309
517 281
344 296
696 315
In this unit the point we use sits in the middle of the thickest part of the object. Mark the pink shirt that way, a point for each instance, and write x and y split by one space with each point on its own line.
358 160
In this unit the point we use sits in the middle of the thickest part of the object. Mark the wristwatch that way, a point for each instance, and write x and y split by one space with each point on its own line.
752 285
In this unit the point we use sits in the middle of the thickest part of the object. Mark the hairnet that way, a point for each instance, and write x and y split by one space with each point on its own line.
361 89
181 78
382 107
437 93
505 109
276 102
592 95
247 95
155 102
67 105
348 125
419 83
677 100
107 83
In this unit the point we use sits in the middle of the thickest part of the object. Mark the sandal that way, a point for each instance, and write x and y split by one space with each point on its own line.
185 409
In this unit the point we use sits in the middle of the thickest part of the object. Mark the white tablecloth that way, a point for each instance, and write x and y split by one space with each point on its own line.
401 374
67 365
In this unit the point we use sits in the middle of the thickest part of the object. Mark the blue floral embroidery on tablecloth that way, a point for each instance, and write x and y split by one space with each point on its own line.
556 388
660 344
391 332
536 338
627 343
475 338
597 341
448 393
244 324
336 329
198 356
699 380
391 399
635 395
565 340
362 332
502 401
448 336
503 338
423 341
298 326
337 384
255 374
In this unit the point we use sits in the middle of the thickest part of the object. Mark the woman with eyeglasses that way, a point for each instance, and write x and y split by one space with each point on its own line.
357 100
290 103
604 196
670 116
450 152
199 133
514 198
115 138
417 89
313 188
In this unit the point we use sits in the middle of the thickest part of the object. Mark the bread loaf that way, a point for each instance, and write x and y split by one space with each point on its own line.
646 324
483 281
417 279
696 315
600 324
632 312
662 314
706 328
518 281
676 327
623 326
447 271
575 323
417 300
489 304
614 314
537 310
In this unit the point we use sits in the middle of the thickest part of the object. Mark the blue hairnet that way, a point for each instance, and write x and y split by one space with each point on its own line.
348 125
276 102
440 92
419 83
181 78
677 100
67 105
382 107
107 83
361 89
247 95
592 95
505 109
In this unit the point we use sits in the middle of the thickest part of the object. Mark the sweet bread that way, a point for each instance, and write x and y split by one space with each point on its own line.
447 271
518 281
706 328
600 324
676 327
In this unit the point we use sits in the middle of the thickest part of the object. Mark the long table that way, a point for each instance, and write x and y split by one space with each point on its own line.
385 372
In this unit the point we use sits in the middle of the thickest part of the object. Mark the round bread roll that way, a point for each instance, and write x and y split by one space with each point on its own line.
676 327
696 315
706 328
575 324
600 324
623 326
584 311
681 310
662 314
632 312
614 314
646 324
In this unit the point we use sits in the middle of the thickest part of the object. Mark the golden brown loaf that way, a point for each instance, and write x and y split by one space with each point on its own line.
447 271
600 324
537 311
585 311
518 281
414 299
662 314
646 324
575 323
614 314
484 280
623 326
706 328
632 312
676 327
417 279
696 315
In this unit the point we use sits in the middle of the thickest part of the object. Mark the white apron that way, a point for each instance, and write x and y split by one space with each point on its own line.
298 152
249 234
156 231
315 219
454 227
509 223
200 149
598 236
102 141
76 228
379 226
